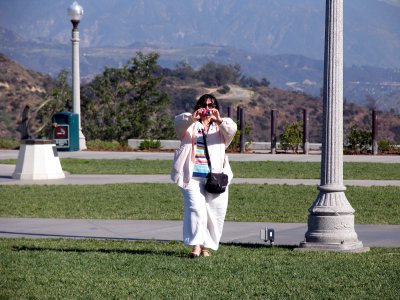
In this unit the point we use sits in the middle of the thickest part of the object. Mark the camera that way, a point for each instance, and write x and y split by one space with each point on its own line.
206 113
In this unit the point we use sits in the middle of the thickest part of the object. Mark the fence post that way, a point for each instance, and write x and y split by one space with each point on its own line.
242 130
273 131
305 131
374 133
238 114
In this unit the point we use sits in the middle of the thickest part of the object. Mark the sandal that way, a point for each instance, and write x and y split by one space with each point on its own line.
196 250
205 252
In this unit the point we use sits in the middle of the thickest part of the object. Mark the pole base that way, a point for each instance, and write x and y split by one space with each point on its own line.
331 223
82 141
356 247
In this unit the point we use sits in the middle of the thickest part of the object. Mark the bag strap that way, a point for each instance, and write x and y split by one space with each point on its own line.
206 149
207 154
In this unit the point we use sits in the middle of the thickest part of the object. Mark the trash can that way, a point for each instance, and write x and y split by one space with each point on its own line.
66 131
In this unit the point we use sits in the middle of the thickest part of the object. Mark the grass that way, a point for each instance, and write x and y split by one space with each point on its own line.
257 169
99 269
152 201
104 269
263 169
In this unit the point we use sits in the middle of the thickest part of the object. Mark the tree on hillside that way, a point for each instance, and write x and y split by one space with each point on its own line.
126 102
213 74
58 99
183 71
251 82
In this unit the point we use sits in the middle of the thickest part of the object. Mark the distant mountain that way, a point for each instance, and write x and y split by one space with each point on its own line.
373 86
273 27
281 40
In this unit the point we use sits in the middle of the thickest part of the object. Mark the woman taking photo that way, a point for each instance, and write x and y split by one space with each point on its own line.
204 212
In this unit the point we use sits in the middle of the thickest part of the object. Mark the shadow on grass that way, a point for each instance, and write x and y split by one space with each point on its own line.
106 251
179 254
258 246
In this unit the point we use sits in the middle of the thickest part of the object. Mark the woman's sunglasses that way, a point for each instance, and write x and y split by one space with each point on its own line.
209 105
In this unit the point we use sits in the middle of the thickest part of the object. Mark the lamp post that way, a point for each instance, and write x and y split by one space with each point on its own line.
75 12
331 217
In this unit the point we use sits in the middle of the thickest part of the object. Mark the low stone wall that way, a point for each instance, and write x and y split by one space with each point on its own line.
165 144
174 144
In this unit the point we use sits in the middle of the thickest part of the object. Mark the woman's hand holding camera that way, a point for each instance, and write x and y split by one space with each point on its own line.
205 113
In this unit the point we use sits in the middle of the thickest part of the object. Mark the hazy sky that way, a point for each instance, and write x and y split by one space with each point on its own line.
393 2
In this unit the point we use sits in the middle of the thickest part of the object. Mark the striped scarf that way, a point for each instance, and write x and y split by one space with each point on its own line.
201 168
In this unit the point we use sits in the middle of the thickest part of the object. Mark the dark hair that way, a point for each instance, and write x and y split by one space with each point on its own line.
203 100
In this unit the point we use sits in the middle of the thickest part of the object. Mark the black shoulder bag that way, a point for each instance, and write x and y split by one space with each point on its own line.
216 182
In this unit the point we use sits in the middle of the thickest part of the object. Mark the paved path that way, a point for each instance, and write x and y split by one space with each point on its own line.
234 232
261 156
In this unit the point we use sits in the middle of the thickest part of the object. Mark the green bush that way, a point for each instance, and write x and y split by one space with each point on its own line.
9 144
223 90
384 146
150 144
292 137
106 145
359 140
235 144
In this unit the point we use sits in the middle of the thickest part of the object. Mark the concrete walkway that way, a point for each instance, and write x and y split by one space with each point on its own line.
234 232
259 156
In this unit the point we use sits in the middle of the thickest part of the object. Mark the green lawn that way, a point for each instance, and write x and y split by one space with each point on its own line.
256 169
98 269
259 169
152 201
104 269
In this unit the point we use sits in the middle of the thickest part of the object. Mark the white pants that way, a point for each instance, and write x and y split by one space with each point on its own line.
204 214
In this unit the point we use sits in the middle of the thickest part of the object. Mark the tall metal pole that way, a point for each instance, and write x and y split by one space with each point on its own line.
273 131
76 96
242 131
305 131
238 114
374 133
331 217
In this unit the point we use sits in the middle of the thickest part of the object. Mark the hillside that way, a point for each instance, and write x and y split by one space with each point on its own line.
290 105
258 103
20 86
290 72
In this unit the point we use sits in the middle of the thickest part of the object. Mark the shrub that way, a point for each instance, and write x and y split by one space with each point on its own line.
223 90
292 137
106 145
150 144
384 146
235 144
9 144
359 140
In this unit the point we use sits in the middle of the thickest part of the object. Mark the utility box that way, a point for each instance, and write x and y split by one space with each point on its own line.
66 131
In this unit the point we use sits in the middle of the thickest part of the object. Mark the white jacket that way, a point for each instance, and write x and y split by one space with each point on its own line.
218 139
